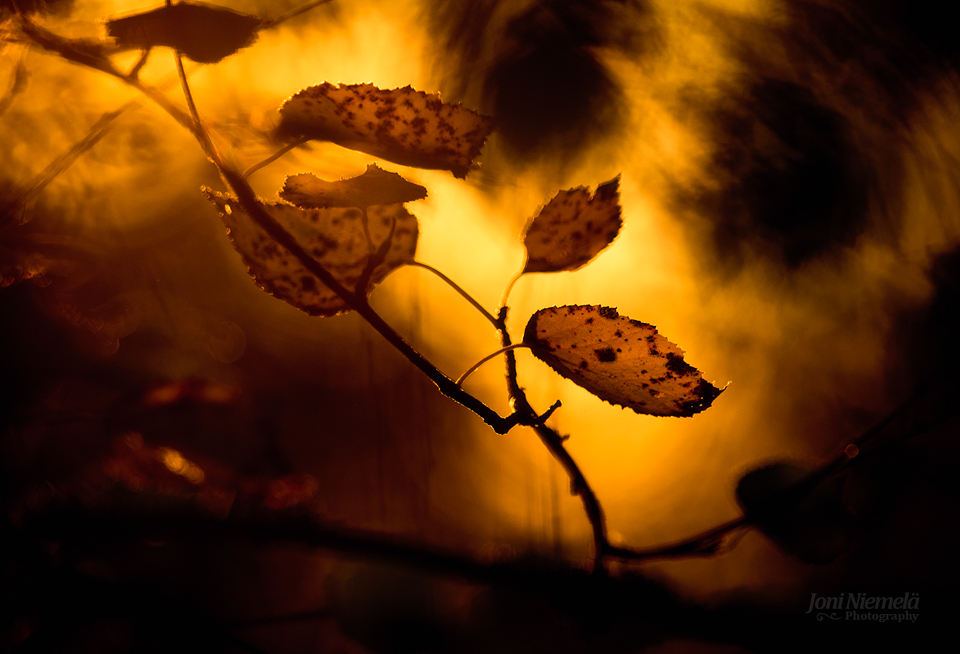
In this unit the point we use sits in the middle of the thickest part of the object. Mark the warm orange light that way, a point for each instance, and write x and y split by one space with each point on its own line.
176 463
794 347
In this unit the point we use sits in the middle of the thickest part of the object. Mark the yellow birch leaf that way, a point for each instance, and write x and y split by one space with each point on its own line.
573 228
622 361
404 126
335 237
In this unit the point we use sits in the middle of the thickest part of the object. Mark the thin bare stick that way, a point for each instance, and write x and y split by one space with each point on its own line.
358 303
293 13
554 444
199 130
93 58
18 82
61 163
482 361
93 55
463 293
705 544
273 157
141 62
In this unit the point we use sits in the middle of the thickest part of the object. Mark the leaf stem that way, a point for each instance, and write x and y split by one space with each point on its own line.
469 298
506 292
482 361
273 157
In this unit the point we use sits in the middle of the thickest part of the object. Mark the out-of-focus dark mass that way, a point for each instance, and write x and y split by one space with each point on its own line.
189 464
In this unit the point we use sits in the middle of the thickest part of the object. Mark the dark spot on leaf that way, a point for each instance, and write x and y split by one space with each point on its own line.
606 354
609 313
676 364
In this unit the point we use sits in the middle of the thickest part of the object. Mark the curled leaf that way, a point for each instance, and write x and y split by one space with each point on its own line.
405 126
800 510
335 237
573 228
204 33
375 186
622 361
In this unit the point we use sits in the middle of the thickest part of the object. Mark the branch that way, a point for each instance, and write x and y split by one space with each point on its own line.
64 161
358 302
707 543
554 443
18 83
269 23
198 129
182 518
94 57
273 157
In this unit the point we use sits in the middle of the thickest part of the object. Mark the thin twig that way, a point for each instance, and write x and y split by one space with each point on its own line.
554 443
141 62
358 302
273 157
92 58
64 161
93 55
18 83
261 526
469 298
704 544
269 23
482 361
201 133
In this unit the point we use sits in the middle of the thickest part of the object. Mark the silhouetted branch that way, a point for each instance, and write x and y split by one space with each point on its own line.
554 443
93 56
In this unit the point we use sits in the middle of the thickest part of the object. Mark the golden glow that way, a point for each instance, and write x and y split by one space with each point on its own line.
177 464
793 349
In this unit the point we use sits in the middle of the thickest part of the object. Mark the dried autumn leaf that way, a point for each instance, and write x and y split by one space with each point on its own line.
573 228
375 186
799 510
622 361
335 237
405 126
204 33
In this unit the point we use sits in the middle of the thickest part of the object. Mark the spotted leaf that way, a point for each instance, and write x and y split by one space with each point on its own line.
625 362
401 125
335 237
573 228
375 186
